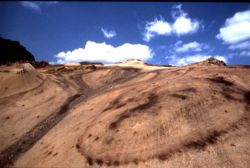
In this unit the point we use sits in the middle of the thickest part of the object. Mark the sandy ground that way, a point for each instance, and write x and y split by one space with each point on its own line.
125 116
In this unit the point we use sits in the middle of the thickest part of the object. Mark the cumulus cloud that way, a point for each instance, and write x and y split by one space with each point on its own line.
157 27
182 25
180 61
36 5
236 28
242 45
108 34
103 52
192 46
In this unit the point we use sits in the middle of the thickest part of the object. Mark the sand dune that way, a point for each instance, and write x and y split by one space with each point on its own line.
17 79
126 116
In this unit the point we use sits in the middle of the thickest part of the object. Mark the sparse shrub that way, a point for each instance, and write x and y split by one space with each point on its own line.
90 63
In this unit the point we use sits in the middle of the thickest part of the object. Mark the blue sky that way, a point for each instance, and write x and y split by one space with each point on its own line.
156 32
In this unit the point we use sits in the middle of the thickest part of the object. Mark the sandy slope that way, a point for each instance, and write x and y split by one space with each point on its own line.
116 116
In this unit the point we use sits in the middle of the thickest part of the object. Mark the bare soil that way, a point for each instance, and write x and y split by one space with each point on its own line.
125 116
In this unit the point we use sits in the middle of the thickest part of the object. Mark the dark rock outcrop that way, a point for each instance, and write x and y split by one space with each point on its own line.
213 61
13 51
41 64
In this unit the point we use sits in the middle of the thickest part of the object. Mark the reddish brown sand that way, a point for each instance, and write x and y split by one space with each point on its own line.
125 116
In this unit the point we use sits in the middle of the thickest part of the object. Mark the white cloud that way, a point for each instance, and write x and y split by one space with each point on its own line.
36 5
31 5
108 34
244 53
182 25
174 60
236 28
192 46
157 27
242 45
177 11
178 43
105 53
